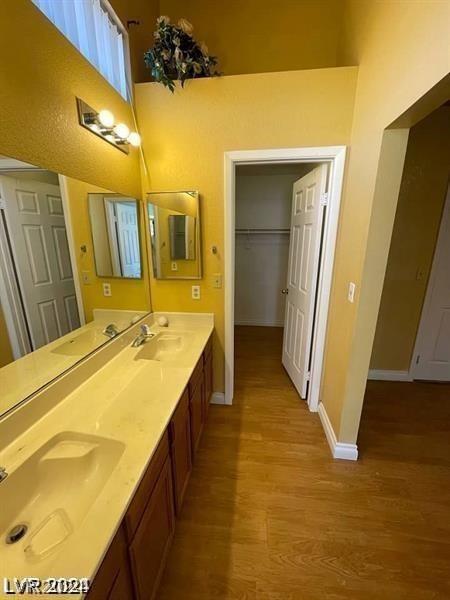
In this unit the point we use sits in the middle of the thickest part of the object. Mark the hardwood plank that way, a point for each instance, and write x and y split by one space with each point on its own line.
268 515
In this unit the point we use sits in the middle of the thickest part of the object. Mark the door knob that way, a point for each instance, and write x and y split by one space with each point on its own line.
285 291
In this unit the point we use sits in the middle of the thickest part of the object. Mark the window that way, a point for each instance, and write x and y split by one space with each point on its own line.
94 29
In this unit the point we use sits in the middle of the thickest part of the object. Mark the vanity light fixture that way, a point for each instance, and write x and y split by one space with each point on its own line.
103 124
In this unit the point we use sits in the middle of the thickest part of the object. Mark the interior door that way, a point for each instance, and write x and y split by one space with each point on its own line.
303 269
128 235
38 238
432 352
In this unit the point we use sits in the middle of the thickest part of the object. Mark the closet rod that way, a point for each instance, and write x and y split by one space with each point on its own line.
267 230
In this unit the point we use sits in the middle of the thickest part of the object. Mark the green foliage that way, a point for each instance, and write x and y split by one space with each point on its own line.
177 56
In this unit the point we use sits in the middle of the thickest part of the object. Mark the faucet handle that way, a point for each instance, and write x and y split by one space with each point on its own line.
146 329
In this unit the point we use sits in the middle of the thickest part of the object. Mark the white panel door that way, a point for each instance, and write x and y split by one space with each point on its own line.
432 352
127 231
37 232
303 269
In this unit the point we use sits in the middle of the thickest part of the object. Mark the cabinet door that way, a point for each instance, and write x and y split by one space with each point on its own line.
180 449
112 580
208 375
151 543
196 410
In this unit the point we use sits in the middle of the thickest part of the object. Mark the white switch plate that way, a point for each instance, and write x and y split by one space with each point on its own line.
217 280
351 291
107 289
174 266
196 292
86 277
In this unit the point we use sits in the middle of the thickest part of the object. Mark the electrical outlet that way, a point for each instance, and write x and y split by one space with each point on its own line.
217 280
174 266
86 277
107 289
351 291
196 292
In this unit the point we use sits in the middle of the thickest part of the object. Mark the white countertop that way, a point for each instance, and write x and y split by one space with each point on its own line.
129 400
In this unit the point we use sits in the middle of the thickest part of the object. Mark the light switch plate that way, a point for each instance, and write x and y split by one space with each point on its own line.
107 289
86 277
196 292
174 266
351 291
217 280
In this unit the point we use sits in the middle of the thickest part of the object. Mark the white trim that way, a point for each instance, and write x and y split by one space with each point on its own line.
71 242
335 155
217 398
387 375
421 330
339 450
257 323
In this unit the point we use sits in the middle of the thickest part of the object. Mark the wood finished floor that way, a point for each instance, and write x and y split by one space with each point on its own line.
269 515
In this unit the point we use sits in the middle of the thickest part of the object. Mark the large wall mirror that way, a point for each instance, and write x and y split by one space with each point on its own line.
115 234
59 238
174 225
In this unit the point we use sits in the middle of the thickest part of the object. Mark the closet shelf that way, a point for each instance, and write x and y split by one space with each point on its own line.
266 230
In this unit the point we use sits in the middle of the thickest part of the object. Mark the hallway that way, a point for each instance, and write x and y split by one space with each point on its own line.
268 514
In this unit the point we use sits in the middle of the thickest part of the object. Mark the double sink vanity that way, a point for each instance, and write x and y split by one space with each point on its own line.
96 464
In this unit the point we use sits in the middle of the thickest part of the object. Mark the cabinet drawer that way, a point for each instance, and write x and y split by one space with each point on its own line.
143 493
196 376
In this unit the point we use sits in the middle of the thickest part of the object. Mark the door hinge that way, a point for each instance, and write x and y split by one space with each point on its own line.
324 199
2 204
417 359
308 376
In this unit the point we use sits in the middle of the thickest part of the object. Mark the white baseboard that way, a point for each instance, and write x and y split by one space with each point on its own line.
338 449
217 398
259 323
385 375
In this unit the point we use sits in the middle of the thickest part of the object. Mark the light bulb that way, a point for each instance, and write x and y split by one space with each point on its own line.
122 131
134 139
106 118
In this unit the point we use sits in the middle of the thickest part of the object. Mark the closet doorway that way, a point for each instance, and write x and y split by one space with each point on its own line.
281 210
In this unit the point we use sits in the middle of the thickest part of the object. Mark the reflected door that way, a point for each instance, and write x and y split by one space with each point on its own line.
38 240
128 236
303 269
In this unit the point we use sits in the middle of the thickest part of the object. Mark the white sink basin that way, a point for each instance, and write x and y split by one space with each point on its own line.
51 492
81 344
163 347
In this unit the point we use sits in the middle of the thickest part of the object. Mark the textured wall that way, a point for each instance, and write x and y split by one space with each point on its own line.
185 137
420 204
41 74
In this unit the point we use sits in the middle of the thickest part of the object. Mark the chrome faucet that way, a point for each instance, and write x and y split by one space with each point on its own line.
145 335
3 474
110 330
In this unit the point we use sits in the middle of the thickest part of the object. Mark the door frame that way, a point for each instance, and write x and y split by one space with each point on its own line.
335 156
430 285
13 309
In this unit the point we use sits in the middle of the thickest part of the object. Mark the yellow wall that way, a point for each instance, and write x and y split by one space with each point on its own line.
41 74
185 137
402 51
6 355
421 200
130 294
254 36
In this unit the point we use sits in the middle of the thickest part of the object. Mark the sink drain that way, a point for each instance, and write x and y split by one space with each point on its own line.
16 533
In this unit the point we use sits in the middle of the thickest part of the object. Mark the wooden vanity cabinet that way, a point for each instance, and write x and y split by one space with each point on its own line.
196 404
180 449
113 579
207 377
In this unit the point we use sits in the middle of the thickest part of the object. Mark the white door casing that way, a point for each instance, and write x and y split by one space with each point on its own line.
431 358
37 232
303 269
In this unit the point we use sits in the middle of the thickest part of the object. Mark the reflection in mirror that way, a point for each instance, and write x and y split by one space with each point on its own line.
174 226
49 317
115 233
